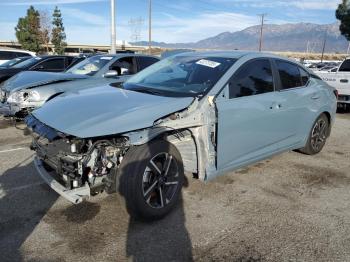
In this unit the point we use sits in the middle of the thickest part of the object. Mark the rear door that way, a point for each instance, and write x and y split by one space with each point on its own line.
298 99
249 117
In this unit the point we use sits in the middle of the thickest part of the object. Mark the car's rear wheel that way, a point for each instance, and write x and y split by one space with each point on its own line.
151 178
318 136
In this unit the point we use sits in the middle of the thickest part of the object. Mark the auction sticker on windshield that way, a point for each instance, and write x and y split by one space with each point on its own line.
208 63
106 58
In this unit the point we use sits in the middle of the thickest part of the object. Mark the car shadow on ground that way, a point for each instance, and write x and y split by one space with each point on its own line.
24 200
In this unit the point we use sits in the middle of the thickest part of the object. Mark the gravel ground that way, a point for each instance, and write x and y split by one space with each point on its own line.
291 207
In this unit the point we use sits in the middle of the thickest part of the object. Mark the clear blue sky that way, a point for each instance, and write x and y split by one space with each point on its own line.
87 21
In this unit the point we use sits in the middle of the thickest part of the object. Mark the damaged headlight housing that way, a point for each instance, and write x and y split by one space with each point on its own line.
17 97
21 96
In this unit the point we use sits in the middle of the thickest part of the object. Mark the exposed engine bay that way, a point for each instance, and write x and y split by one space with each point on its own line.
78 161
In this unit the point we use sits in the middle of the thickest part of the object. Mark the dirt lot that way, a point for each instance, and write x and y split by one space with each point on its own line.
289 208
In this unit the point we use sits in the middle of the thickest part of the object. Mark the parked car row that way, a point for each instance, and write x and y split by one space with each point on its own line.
29 90
204 113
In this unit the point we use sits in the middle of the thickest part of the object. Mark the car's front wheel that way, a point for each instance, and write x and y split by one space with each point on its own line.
318 136
151 178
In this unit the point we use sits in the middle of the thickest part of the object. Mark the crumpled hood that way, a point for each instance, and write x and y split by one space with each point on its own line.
29 79
106 110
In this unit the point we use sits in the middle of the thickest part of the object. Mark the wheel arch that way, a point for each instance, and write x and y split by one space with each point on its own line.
182 139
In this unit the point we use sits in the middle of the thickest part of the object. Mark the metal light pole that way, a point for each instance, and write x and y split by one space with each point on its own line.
261 31
150 27
113 33
324 45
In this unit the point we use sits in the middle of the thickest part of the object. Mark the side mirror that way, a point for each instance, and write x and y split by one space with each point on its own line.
110 73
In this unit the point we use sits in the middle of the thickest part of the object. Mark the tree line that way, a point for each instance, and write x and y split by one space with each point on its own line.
37 30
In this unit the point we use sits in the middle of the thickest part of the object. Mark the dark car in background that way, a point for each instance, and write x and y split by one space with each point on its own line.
39 63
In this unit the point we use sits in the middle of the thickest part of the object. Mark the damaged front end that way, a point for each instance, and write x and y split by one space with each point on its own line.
75 168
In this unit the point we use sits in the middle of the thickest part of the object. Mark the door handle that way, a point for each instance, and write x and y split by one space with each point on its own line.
276 106
315 97
344 80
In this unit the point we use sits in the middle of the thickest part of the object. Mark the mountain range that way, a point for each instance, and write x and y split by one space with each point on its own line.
298 37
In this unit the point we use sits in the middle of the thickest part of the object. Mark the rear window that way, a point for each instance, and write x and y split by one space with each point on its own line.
345 66
290 74
6 55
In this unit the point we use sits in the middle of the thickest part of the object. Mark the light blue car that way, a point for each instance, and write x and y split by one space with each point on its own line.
204 113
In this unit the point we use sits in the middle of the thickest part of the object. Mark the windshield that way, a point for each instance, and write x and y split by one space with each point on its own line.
27 63
14 61
180 76
90 66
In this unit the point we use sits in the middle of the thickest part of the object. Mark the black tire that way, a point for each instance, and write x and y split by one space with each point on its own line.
148 194
318 136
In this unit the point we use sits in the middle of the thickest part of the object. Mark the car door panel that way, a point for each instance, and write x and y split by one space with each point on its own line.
249 120
249 127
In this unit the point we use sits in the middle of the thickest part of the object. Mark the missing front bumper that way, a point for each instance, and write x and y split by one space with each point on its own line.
75 196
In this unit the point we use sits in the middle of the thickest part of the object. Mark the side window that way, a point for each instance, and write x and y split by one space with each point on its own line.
289 74
124 66
345 66
253 78
146 61
304 76
52 64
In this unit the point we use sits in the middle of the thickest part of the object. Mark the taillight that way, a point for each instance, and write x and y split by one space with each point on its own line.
336 93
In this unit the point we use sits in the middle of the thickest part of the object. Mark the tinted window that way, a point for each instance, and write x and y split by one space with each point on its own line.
146 61
289 74
52 64
5 55
304 76
345 66
125 66
252 78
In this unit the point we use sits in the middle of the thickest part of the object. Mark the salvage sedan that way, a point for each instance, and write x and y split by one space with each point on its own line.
200 113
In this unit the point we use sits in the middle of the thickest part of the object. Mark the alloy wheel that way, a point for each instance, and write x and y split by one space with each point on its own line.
319 134
160 180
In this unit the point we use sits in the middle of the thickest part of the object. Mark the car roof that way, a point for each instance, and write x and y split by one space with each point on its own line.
123 55
228 54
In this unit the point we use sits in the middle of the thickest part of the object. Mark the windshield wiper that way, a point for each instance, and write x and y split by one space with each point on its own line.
146 91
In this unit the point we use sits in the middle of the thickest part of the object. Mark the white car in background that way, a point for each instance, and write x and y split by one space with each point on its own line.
9 54
340 80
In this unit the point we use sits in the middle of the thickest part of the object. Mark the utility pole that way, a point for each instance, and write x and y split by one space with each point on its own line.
324 45
261 30
347 52
150 27
113 33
